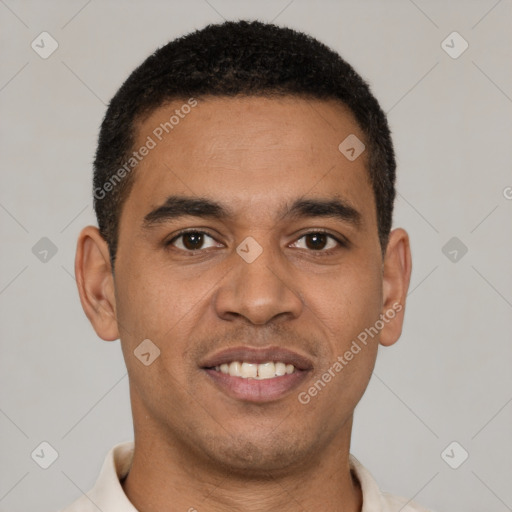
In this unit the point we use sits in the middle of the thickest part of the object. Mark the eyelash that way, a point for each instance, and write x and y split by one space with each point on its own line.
342 243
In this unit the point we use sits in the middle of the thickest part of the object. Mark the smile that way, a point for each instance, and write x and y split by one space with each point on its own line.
245 370
256 374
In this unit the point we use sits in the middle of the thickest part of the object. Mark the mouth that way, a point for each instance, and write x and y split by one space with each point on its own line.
257 375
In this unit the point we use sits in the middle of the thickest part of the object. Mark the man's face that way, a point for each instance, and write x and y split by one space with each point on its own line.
200 295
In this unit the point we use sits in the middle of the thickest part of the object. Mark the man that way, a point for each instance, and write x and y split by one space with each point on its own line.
244 188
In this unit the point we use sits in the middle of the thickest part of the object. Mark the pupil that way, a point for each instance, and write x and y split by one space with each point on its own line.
316 237
196 240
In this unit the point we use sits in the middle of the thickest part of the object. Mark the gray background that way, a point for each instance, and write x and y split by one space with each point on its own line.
447 379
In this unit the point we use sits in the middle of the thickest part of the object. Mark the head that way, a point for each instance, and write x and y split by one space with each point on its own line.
230 60
272 152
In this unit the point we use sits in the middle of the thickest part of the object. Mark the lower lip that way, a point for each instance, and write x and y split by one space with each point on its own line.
256 390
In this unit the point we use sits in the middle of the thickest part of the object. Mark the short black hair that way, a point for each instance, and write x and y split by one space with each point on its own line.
248 58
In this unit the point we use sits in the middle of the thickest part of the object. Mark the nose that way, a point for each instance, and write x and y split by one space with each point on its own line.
259 291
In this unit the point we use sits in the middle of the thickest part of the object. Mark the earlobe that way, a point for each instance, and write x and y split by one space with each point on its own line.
96 283
396 277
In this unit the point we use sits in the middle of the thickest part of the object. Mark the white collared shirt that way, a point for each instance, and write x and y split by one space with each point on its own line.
107 494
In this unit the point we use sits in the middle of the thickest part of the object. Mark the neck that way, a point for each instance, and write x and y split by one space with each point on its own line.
165 473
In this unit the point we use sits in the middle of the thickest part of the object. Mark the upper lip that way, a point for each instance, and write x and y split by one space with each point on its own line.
257 356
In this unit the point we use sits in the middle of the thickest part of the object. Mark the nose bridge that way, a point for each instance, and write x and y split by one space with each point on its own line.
259 288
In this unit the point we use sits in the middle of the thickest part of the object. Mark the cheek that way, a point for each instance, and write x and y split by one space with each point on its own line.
146 297
345 308
161 306
151 309
346 301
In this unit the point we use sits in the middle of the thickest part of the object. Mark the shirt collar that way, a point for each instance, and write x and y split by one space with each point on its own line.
108 495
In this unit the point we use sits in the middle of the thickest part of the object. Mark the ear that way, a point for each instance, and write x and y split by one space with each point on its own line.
396 275
95 283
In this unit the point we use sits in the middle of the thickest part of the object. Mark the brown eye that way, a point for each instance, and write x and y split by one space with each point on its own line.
319 241
316 241
191 241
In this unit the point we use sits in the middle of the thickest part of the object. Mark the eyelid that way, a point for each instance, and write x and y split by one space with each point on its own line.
200 231
342 241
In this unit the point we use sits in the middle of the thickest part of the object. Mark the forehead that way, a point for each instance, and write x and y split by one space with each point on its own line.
246 151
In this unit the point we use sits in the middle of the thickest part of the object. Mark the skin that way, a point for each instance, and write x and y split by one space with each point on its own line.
195 446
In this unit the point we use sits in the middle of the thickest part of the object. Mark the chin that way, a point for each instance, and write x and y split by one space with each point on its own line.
249 456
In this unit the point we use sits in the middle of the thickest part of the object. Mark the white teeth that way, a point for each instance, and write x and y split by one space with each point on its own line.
235 369
249 370
266 370
262 371
280 369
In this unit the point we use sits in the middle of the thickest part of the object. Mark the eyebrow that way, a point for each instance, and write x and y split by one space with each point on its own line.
176 207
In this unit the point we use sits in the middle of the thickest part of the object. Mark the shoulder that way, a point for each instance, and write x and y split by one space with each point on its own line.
376 500
107 494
